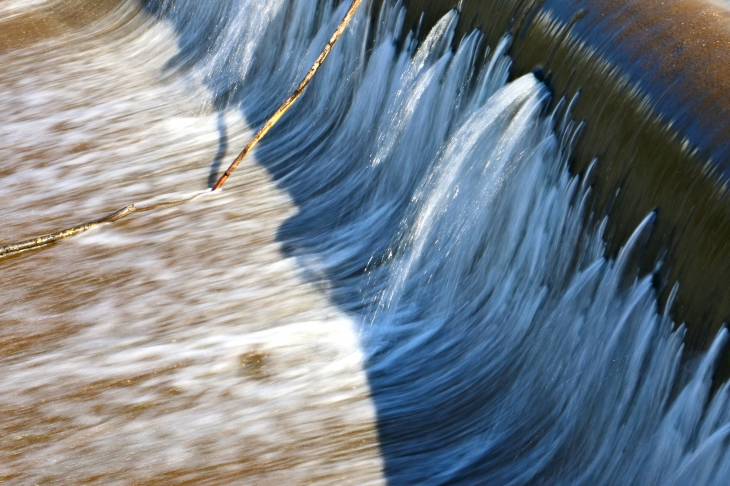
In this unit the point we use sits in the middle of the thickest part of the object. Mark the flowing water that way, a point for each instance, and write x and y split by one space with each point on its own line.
405 284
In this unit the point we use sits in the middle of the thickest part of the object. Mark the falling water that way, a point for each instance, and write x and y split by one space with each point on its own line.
406 284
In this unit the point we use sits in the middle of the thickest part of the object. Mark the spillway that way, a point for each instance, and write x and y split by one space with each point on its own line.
485 247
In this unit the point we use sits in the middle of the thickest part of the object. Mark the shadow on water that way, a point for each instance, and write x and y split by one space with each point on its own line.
502 345
222 150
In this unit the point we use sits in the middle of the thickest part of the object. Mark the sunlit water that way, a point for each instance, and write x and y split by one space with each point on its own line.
416 298
177 346
11 8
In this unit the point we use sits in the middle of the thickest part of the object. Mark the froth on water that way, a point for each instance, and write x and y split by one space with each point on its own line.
177 346
421 293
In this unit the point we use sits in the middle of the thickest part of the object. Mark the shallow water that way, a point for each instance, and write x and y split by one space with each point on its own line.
419 296
178 346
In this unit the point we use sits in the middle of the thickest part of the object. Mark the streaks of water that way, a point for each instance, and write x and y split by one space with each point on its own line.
179 346
502 346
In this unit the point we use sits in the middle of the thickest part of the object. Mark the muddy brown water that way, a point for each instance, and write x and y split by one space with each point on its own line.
177 347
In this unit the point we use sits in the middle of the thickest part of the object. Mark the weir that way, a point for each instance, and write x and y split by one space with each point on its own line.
653 80
442 266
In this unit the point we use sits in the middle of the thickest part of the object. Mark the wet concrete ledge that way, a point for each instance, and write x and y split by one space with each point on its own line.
654 82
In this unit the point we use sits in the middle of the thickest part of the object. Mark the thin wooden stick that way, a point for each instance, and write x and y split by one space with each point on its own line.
44 240
290 101
41 241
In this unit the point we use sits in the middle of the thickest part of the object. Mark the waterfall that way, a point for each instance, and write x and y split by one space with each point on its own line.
437 221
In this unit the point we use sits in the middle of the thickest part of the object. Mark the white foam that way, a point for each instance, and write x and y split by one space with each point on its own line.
11 8
178 343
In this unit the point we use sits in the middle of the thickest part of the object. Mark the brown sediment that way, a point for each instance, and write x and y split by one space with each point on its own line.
51 20
68 310
644 161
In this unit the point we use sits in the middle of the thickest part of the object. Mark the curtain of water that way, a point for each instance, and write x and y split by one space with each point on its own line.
503 347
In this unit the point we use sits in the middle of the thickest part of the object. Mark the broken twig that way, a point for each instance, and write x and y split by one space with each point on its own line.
41 241
294 96
44 240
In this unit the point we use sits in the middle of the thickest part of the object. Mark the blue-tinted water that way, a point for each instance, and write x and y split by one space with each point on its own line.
434 198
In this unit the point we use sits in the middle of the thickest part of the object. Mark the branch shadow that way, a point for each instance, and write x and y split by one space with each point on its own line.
222 150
